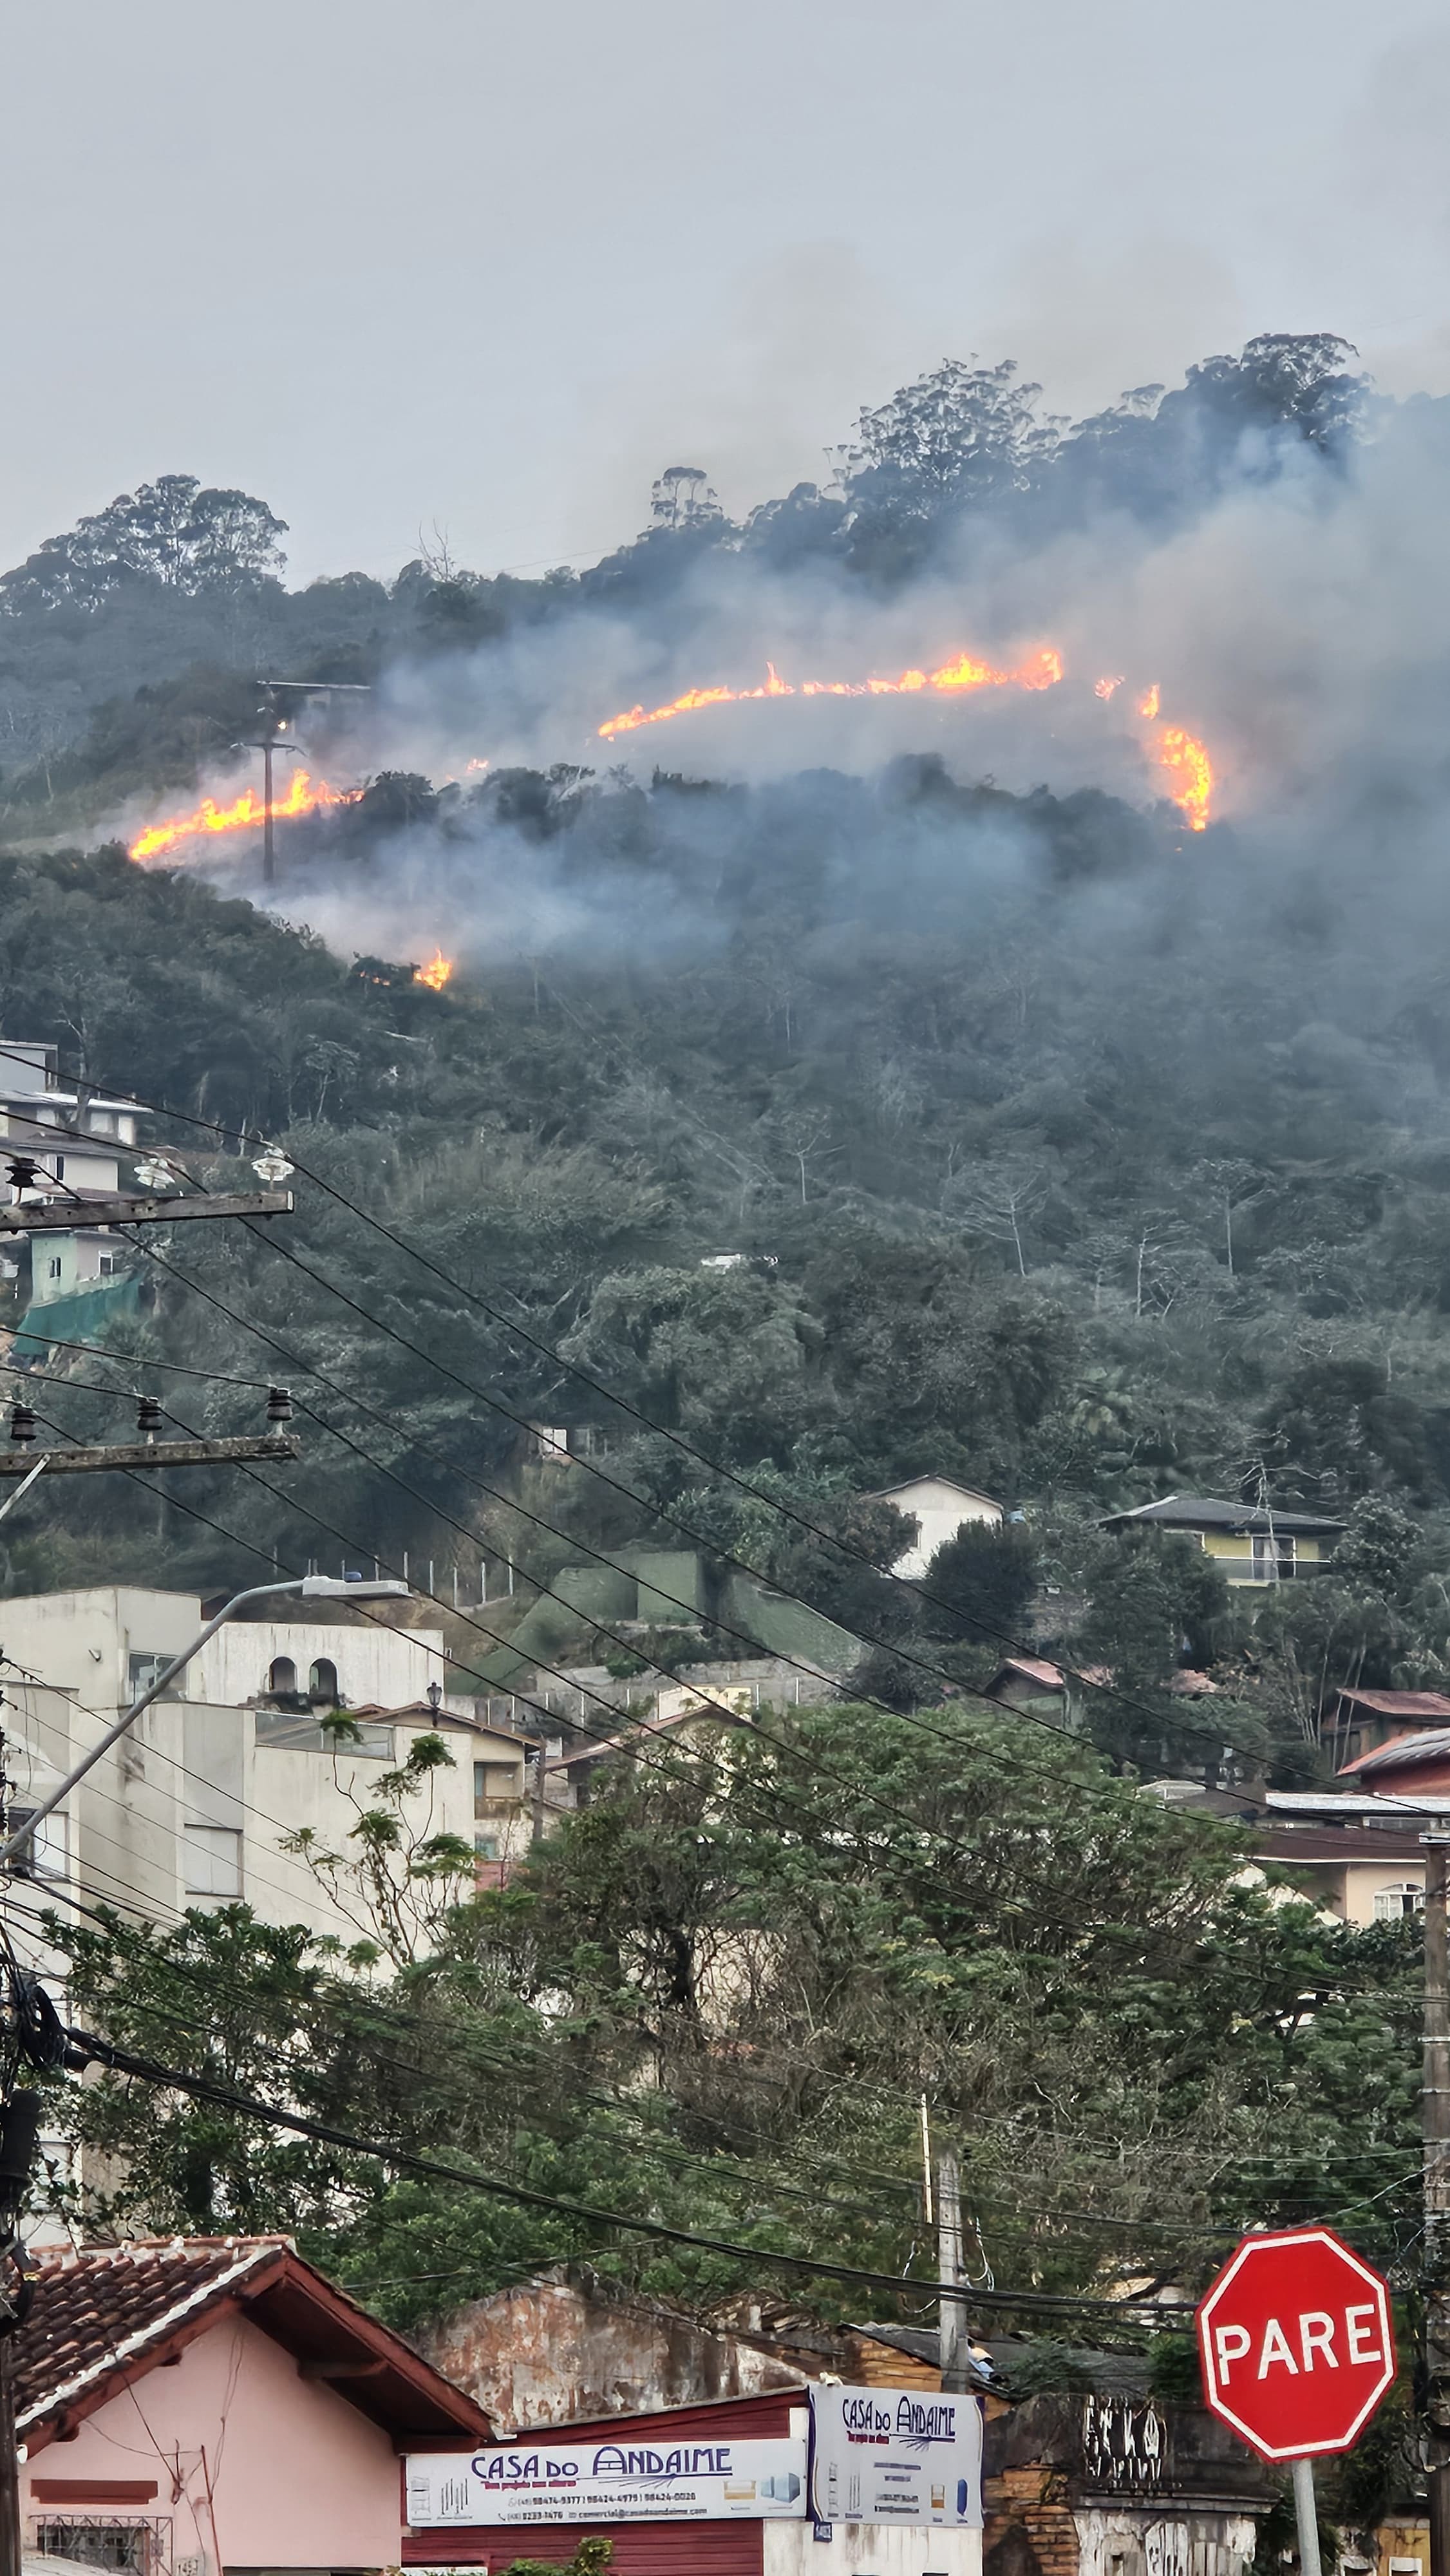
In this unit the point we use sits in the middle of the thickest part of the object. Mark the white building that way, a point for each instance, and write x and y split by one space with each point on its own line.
86 1159
192 1808
939 1509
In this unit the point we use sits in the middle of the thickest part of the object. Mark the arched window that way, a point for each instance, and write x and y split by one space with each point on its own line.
1404 1897
322 1681
283 1675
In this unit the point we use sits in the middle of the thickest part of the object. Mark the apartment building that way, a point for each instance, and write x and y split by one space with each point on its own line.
194 1806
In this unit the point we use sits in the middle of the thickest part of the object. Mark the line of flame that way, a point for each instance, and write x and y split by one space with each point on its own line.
304 796
1042 671
436 973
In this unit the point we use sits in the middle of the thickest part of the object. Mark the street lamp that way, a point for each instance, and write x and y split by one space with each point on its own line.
312 1587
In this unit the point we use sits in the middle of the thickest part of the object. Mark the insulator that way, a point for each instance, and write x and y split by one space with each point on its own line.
23 1171
22 1422
279 1404
149 1417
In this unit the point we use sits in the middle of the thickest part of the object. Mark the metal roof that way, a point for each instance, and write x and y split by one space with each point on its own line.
1207 1511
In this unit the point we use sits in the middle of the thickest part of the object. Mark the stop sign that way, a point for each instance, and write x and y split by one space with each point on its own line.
1295 2341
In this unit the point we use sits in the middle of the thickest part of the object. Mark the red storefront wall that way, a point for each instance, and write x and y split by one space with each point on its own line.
640 2548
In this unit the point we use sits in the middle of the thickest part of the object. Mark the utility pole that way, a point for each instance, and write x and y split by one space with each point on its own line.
141 1453
951 2307
1436 2132
271 720
54 1216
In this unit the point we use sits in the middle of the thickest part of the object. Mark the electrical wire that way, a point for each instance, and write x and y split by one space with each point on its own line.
89 2046
1086 1680
1070 1925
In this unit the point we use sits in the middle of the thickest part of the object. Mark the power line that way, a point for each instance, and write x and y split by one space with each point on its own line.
734 1718
1086 1680
88 2046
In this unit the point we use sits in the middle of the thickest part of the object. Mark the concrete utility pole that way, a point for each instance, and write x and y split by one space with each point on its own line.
951 2307
1436 2131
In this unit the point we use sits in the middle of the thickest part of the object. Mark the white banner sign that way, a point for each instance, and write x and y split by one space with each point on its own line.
556 2480
895 2455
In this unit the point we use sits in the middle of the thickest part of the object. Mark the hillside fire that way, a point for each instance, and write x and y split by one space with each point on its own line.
304 795
1184 758
1042 671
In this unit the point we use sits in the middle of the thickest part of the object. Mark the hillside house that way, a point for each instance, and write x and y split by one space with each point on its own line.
1357 1853
79 1140
214 2403
1359 1721
1249 1545
939 1508
1408 1766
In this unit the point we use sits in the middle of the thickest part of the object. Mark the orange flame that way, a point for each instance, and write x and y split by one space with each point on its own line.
1104 688
304 796
1148 703
436 973
1186 761
1042 671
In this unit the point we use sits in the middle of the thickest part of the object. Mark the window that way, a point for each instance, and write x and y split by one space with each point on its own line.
107 1265
52 1267
485 1846
47 1853
1404 1897
213 1861
495 1782
1273 1558
322 1681
60 1167
281 1675
284 1732
143 1668
128 2548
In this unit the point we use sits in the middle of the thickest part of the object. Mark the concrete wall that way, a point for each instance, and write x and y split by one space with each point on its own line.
298 2477
549 2352
375 1664
792 2549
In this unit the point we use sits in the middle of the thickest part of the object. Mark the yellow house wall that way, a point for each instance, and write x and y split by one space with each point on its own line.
1348 1888
1236 1554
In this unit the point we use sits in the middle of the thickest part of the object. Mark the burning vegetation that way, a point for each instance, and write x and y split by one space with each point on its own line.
245 814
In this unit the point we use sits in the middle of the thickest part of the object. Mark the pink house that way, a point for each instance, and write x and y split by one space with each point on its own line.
208 2406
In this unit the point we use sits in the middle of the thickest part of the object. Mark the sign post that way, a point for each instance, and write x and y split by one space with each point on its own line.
1297 2351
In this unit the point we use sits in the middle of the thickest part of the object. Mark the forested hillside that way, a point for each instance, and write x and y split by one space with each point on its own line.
1068 1151
782 1132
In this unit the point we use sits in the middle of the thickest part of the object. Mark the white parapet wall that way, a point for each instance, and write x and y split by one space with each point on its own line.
870 2549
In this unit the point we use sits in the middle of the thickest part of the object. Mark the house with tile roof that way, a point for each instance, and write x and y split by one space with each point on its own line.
201 2404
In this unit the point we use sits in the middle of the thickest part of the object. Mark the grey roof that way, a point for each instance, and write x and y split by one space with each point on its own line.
1431 1744
1199 1511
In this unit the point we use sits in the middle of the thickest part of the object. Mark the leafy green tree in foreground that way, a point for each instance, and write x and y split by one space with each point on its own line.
715 1999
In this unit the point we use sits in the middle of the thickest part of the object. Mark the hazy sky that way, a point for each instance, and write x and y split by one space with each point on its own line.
489 267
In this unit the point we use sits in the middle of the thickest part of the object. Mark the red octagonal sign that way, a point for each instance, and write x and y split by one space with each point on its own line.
1296 2345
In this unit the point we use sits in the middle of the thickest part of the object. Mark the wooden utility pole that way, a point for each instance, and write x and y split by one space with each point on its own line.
87 1216
1436 2132
951 2307
154 1453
